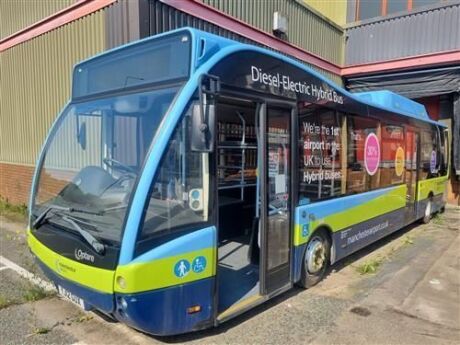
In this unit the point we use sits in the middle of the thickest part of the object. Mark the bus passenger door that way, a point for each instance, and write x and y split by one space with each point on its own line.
276 200
412 139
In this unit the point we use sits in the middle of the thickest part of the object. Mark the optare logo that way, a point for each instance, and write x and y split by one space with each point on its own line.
80 255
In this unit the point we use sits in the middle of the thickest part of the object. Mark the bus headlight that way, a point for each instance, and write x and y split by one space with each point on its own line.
121 282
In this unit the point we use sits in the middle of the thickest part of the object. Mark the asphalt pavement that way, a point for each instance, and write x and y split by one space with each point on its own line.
413 297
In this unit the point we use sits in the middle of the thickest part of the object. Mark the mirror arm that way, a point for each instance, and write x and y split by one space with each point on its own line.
209 85
209 89
203 114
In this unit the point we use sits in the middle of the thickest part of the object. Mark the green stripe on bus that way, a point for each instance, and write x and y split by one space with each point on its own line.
95 278
390 201
434 185
160 273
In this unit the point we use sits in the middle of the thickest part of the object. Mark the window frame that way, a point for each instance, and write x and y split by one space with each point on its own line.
338 114
384 8
146 243
404 128
445 151
368 181
345 117
432 130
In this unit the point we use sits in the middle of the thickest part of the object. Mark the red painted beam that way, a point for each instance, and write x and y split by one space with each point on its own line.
411 62
214 16
65 16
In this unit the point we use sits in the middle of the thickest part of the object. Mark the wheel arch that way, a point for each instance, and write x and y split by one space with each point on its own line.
328 230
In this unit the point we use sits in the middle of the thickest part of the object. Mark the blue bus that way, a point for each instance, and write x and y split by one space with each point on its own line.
192 177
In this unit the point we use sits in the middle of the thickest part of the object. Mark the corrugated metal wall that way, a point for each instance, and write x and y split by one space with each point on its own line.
36 75
35 84
15 15
122 24
164 18
428 31
305 29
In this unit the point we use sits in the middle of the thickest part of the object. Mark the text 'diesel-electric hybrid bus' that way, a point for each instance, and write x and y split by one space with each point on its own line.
192 177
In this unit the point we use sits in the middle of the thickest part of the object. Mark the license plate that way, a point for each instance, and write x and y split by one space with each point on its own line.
72 298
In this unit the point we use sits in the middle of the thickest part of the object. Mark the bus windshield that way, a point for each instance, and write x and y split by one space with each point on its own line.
93 158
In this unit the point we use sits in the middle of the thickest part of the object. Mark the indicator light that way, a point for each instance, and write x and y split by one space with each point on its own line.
121 282
194 309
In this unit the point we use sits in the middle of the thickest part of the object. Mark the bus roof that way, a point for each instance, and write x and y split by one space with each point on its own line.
383 99
394 101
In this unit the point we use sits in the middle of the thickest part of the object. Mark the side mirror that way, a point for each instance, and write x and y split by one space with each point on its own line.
202 133
204 114
81 135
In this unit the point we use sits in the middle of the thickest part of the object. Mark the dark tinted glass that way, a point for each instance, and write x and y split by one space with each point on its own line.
419 3
392 164
396 6
154 61
362 174
430 154
444 152
369 9
320 161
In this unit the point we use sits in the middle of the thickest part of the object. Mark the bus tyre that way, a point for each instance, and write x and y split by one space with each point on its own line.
428 211
316 259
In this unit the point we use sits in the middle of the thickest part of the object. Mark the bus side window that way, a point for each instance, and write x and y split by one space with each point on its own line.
429 154
392 166
444 165
363 173
180 190
320 159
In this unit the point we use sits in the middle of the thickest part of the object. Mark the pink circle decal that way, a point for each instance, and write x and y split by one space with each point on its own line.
372 154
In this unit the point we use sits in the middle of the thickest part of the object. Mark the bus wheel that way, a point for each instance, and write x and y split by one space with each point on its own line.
316 259
428 208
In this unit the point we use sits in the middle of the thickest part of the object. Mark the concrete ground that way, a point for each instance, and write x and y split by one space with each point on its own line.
405 289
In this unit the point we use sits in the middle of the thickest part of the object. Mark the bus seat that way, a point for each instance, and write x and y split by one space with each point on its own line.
93 180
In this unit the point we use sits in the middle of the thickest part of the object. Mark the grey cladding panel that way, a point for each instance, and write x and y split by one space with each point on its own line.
423 32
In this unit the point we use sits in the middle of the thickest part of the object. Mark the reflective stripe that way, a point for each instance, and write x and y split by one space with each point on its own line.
92 277
338 216
433 185
161 273
194 241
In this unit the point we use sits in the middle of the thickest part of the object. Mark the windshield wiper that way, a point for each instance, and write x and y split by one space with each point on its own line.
115 208
42 216
97 246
